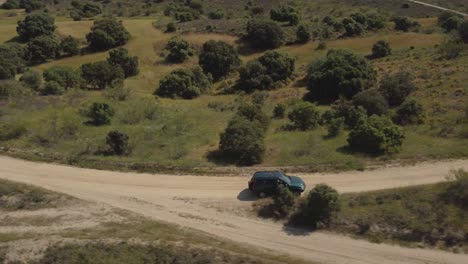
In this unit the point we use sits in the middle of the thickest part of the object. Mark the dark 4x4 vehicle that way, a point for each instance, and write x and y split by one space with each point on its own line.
265 183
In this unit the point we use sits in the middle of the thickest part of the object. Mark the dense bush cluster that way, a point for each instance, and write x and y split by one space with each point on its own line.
404 24
341 73
100 74
179 50
59 79
107 33
80 10
218 58
99 114
185 10
184 83
449 21
70 46
118 142
285 14
35 25
11 60
381 49
267 72
397 87
304 116
28 5
120 57
303 34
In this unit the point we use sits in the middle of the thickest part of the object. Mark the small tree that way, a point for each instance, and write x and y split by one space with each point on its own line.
404 24
107 33
321 203
11 60
304 116
253 113
36 25
463 32
120 57
410 113
101 74
52 88
70 46
171 27
263 34
352 27
341 73
303 34
450 21
457 190
43 48
179 50
118 142
243 142
100 114
335 126
285 14
396 87
218 58
279 111
381 49
284 202
371 100
32 79
376 135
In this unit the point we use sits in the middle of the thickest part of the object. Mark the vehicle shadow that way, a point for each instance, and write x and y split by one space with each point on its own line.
247 196
297 231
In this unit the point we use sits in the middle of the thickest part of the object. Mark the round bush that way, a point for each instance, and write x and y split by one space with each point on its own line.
218 58
264 34
371 100
381 49
118 142
304 116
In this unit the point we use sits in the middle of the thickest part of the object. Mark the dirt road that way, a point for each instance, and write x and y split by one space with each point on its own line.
438 7
215 205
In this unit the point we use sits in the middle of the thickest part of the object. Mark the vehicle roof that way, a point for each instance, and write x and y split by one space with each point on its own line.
268 175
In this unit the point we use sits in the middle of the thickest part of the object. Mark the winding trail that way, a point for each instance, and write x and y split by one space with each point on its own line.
216 204
438 7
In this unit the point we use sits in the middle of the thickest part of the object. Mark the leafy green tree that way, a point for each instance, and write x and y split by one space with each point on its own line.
242 141
371 100
254 113
321 203
100 74
376 135
11 60
381 49
285 14
463 32
335 126
304 116
35 25
457 191
65 76
179 50
31 5
218 58
303 34
266 72
341 73
218 14
450 21
396 87
43 48
70 46
11 4
284 202
99 114
410 113
120 57
85 10
171 27
264 34
52 88
352 27
107 33
375 21
11 88
118 142
32 79
184 83
279 111
404 24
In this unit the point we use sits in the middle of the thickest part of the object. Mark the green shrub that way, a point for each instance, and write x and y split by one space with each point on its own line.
279 111
450 21
463 32
254 113
381 49
304 116
107 33
404 24
52 88
120 57
410 113
11 60
11 88
450 50
117 91
375 21
43 48
171 27
118 143
12 128
66 76
371 100
179 50
267 72
303 34
32 79
284 202
70 46
100 74
341 73
352 27
264 34
285 14
376 135
242 141
36 25
397 87
184 83
99 114
457 192
218 14
218 58
320 205
335 126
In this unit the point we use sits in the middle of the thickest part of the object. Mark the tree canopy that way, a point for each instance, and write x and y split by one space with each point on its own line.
218 58
35 25
107 33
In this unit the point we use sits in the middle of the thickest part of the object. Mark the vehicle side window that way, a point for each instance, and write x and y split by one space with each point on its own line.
270 183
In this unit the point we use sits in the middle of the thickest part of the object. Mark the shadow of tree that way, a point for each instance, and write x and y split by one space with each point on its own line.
247 196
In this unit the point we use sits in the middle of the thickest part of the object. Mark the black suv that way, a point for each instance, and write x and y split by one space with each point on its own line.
265 183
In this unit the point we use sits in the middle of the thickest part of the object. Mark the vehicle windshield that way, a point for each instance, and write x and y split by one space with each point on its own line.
283 177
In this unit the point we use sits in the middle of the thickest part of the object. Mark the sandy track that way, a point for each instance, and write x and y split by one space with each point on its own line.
438 7
205 203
